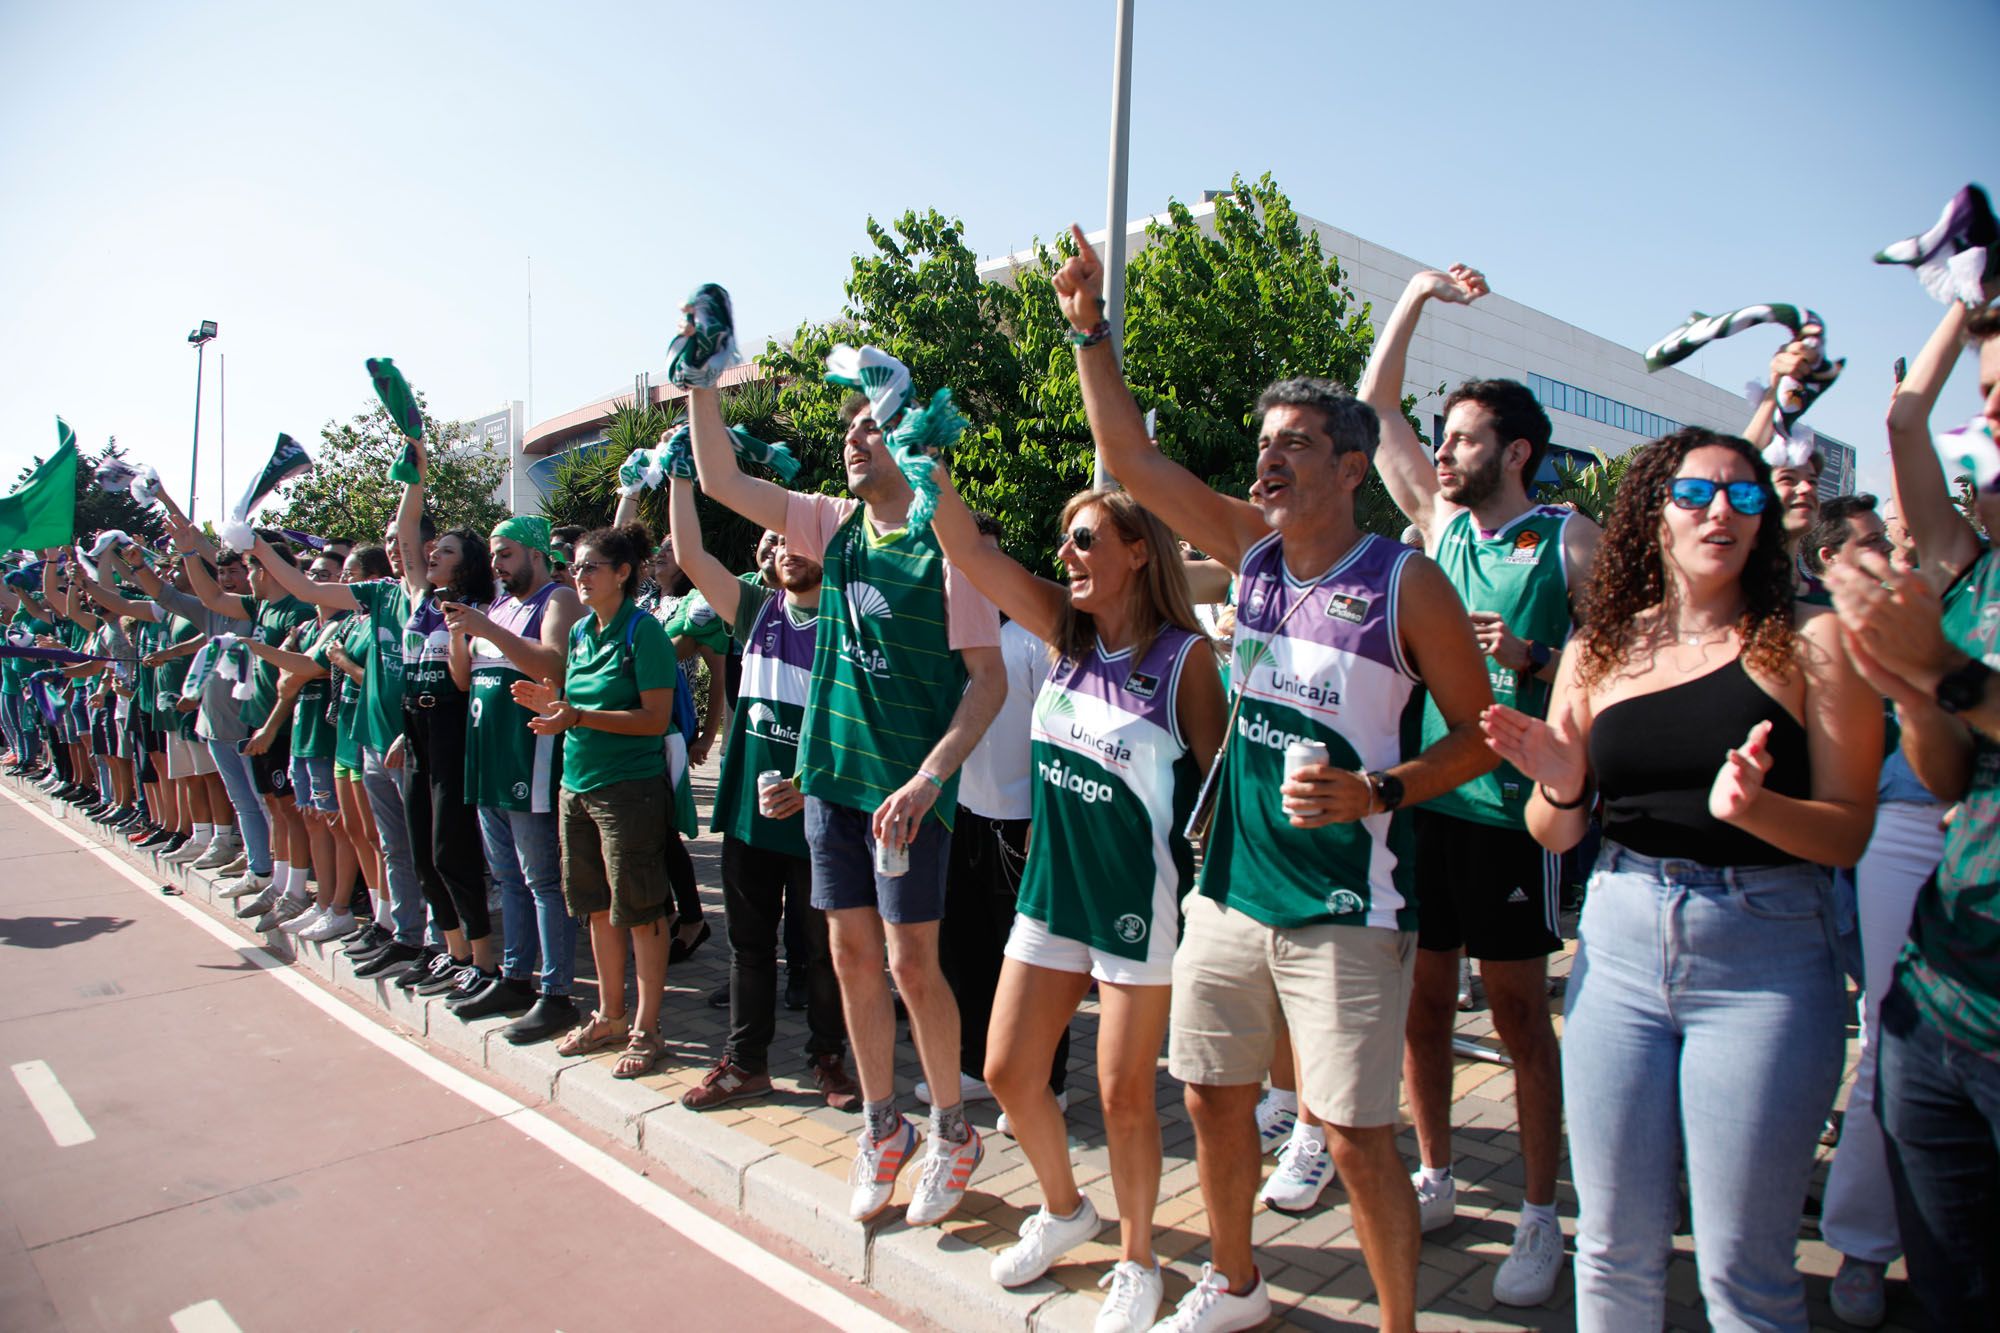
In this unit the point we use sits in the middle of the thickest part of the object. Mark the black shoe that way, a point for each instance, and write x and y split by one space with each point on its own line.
719 997
391 960
446 981
371 939
156 838
174 842
552 1016
680 951
435 963
500 995
795 989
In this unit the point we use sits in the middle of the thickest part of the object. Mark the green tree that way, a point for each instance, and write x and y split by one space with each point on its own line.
1589 490
348 492
1211 319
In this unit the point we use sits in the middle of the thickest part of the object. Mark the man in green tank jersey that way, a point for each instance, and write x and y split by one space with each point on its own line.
1302 909
1938 657
1484 885
906 676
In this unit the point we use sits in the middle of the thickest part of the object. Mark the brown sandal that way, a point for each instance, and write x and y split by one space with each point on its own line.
595 1035
641 1053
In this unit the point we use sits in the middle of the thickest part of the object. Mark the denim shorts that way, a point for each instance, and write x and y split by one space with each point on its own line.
312 783
841 841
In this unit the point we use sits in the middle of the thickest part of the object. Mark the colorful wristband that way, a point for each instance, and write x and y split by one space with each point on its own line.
931 778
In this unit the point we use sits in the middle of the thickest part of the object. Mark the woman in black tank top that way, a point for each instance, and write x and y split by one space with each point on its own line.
1735 754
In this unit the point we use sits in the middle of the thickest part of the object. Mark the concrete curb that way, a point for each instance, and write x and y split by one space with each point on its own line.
927 1271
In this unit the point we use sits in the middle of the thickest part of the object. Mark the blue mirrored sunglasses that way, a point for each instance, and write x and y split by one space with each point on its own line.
1745 497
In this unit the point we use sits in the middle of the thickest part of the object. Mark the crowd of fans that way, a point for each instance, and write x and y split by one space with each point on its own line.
1268 848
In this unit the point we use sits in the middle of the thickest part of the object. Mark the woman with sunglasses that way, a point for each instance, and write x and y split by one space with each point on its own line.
614 703
1126 724
1734 751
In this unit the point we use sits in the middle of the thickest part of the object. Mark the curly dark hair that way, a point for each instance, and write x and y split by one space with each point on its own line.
1629 576
473 581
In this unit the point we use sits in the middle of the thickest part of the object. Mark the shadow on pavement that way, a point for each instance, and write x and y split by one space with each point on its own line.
52 932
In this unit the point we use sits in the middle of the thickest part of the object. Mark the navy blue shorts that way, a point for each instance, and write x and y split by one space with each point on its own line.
841 841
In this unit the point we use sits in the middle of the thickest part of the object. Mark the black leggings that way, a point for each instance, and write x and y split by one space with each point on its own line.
444 830
680 874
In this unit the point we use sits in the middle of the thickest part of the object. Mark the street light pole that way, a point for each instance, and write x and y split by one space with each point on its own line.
204 333
1114 227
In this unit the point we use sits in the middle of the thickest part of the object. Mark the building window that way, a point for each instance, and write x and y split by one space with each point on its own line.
1560 397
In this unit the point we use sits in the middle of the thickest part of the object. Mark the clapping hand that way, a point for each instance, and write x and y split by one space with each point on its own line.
1741 777
1894 618
552 716
1548 754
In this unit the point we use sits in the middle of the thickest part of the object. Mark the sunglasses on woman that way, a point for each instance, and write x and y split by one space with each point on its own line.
1745 497
1082 539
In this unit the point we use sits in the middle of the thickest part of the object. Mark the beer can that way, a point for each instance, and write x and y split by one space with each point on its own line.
891 862
1304 754
766 780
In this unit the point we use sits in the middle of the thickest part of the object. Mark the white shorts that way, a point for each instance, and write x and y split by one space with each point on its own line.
187 758
1032 943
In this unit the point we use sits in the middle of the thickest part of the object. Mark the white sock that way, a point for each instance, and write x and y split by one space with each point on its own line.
1437 1175
297 887
1278 1097
1544 1213
281 874
203 833
1306 1131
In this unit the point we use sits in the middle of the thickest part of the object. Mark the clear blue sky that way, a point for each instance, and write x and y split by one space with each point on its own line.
335 182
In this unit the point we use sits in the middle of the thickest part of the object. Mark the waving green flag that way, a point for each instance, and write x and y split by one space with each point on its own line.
42 513
401 401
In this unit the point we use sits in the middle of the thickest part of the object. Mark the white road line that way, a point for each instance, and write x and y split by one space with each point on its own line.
811 1294
207 1317
66 1124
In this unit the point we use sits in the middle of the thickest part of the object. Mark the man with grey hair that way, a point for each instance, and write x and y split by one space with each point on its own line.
1304 910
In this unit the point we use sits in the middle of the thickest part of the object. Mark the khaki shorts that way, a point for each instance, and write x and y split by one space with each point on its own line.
1344 992
614 850
187 758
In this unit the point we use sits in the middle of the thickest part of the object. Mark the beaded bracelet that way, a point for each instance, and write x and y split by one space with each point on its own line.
1094 337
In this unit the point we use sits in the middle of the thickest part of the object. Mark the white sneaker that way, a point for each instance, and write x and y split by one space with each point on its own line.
189 851
876 1166
296 923
1005 1127
1528 1274
970 1089
1305 1168
221 851
333 924
947 1169
1274 1122
1134 1300
1045 1238
1212 1308
241 887
1437 1201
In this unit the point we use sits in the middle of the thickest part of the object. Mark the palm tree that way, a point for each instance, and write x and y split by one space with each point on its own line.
1589 490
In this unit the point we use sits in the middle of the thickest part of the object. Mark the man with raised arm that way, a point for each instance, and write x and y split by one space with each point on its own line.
764 860
394 940
1304 908
1484 885
906 676
512 775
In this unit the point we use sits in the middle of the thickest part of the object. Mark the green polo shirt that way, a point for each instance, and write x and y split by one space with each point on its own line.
608 669
386 603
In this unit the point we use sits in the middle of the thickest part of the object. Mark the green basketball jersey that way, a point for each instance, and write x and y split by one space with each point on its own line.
507 766
312 712
770 709
885 681
1519 574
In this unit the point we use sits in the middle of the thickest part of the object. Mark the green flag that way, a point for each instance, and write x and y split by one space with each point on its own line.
401 401
42 513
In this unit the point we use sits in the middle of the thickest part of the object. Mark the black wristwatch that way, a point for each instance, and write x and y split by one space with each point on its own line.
1388 790
1960 691
1538 657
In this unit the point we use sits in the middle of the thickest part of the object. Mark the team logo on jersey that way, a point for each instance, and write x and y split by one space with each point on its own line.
1346 606
1259 594
1527 548
763 720
520 791
868 602
1131 927
1142 685
1344 902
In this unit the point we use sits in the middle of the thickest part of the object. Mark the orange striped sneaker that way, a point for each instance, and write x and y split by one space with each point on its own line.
947 1168
877 1163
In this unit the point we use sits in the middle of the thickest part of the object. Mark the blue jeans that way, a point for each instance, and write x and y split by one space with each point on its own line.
524 852
252 823
1940 1107
384 789
1705 1021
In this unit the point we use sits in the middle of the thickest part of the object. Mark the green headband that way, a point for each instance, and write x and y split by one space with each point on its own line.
527 530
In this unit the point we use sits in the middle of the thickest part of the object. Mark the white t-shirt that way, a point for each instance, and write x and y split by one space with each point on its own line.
995 779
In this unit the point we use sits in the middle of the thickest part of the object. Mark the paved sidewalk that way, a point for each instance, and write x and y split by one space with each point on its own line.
785 1162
